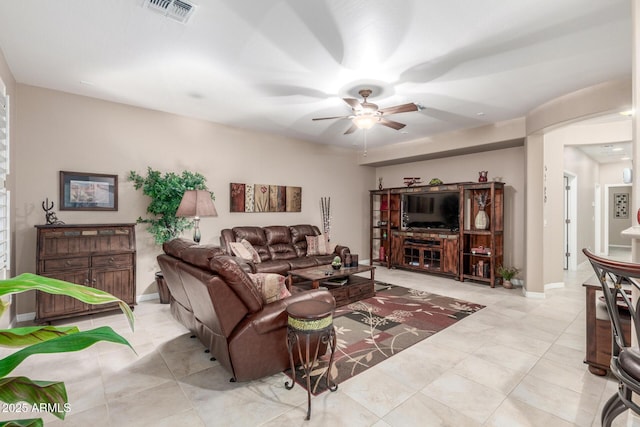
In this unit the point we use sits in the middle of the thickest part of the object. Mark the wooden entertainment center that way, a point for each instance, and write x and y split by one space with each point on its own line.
440 229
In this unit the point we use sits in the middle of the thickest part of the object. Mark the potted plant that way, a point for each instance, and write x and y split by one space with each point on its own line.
166 191
25 394
507 273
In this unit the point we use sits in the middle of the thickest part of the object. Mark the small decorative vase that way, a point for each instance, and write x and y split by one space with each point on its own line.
507 284
482 220
380 187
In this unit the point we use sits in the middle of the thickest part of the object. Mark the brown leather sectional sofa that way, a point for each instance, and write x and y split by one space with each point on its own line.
212 295
281 248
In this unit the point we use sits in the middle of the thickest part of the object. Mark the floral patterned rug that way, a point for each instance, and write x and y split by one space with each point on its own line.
374 329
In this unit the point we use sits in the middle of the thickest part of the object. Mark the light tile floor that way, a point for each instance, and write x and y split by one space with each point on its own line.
518 362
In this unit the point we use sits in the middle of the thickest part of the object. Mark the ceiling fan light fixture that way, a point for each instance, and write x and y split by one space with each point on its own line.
365 121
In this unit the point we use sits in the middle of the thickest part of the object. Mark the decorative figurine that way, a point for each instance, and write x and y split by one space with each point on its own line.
483 176
380 187
409 181
49 215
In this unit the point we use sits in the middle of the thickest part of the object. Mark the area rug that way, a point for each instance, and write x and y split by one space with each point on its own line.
374 329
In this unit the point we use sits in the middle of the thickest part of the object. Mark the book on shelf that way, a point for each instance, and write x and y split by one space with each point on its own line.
338 281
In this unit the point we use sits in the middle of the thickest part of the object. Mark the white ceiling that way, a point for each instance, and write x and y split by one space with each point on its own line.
273 65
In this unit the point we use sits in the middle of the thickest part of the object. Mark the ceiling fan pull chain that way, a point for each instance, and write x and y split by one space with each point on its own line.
365 143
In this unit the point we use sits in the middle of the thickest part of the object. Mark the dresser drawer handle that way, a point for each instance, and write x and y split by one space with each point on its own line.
67 262
111 260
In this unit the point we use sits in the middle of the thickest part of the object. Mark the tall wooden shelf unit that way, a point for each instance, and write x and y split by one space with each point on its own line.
102 256
462 252
385 218
481 249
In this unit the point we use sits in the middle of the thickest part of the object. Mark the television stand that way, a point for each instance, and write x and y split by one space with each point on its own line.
433 252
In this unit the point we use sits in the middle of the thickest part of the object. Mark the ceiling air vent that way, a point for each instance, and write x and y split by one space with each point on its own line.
178 10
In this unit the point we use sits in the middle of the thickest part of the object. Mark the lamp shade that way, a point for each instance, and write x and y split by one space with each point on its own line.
196 203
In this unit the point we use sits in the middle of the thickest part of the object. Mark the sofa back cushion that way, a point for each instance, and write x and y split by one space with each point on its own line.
255 236
200 255
175 247
279 242
238 280
298 237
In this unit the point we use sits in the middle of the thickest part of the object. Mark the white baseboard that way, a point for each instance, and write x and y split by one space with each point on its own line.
556 285
534 295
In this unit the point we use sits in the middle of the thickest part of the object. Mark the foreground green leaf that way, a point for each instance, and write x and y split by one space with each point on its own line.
73 342
19 337
22 389
29 282
23 423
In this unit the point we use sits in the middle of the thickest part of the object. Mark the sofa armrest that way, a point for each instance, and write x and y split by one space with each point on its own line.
274 315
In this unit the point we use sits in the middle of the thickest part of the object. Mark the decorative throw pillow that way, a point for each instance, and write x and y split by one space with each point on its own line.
255 256
316 245
271 286
240 251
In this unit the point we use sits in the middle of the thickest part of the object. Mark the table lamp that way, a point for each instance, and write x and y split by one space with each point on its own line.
196 204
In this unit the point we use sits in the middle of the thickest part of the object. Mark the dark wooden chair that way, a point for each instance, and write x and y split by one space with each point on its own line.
616 279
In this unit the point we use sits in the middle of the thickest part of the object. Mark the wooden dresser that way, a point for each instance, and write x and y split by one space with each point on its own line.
97 255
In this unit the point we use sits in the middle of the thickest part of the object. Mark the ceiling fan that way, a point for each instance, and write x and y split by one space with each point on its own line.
366 114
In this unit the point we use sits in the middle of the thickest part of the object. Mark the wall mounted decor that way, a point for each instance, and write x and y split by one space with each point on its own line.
82 191
265 198
621 205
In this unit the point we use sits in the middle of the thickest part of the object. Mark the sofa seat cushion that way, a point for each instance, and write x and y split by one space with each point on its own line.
324 259
304 262
271 286
277 266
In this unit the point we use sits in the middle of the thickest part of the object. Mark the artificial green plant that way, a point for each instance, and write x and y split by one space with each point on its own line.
49 396
165 191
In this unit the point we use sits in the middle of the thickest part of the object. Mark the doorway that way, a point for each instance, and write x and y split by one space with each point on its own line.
616 216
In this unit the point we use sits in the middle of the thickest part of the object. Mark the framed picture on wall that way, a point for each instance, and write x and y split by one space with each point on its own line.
82 191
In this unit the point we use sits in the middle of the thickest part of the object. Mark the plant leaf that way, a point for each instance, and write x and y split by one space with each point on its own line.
19 337
36 422
29 281
66 343
21 389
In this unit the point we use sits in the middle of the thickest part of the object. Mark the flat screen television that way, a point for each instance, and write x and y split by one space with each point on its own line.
437 210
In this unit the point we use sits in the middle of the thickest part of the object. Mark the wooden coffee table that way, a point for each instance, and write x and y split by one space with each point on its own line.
353 289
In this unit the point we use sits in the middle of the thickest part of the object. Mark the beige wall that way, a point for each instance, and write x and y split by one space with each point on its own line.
506 164
59 131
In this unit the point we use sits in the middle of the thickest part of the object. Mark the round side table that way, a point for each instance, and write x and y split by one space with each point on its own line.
308 320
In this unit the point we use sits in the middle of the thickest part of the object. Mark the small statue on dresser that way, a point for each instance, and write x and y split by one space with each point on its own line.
49 215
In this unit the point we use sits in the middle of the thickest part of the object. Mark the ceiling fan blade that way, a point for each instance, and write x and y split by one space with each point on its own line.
391 123
329 118
404 108
353 103
352 129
